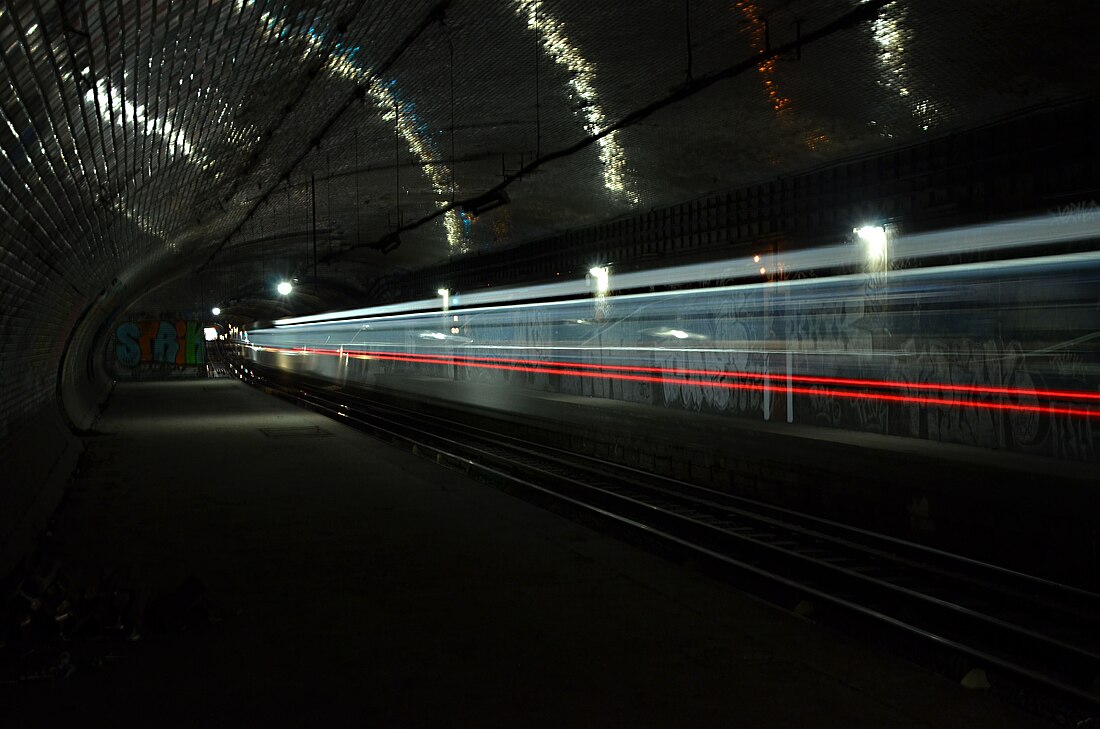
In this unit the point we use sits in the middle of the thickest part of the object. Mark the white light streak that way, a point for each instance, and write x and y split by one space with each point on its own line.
798 287
975 239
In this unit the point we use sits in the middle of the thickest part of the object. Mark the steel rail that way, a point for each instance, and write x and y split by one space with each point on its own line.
761 542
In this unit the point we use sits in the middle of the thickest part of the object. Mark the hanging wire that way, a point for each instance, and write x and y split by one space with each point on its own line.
328 201
357 216
397 154
538 118
452 74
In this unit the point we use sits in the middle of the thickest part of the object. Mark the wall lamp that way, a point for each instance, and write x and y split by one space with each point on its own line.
875 238
601 277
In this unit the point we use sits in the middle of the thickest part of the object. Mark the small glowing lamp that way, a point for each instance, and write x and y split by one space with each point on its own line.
216 311
284 288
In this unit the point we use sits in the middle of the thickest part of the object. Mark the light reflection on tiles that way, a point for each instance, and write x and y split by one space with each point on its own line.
891 36
149 125
342 63
582 84
813 139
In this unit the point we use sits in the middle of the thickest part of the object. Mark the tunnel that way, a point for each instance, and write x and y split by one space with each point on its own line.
549 363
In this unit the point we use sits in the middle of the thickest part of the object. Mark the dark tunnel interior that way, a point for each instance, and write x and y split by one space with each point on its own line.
320 316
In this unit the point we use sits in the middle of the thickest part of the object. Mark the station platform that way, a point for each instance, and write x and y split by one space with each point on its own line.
346 582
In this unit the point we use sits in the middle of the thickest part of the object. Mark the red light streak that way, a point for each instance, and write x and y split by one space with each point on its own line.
672 376
810 379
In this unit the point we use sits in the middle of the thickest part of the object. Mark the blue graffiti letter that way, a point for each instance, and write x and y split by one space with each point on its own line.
165 345
128 351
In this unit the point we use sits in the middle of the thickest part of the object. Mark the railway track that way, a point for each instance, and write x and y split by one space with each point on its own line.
1035 640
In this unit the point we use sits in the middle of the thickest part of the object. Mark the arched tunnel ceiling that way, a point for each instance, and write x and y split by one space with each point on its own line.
144 140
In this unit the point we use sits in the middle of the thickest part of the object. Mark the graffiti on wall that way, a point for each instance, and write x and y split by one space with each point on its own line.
176 343
975 372
993 361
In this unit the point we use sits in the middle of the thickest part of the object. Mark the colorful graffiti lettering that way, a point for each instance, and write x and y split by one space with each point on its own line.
177 342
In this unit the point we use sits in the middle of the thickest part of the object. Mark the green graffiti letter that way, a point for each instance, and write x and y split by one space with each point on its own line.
195 346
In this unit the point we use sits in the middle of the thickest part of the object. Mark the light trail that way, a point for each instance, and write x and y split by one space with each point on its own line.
1038 232
674 377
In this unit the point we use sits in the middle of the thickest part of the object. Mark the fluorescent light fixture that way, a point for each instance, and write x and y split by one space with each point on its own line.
446 294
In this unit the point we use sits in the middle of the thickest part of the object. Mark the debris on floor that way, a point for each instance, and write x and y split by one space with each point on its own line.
51 625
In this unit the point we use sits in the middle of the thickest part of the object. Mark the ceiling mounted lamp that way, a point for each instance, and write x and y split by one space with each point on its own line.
284 288
484 203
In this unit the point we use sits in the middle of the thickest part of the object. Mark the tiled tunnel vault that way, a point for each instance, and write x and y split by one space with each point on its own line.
220 143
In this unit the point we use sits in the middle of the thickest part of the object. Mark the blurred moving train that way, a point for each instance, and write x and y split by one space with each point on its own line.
1001 353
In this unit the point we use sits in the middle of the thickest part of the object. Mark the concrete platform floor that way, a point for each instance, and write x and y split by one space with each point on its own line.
363 586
